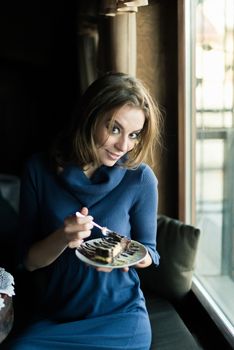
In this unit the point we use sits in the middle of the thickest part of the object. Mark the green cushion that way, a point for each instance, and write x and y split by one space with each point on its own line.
177 245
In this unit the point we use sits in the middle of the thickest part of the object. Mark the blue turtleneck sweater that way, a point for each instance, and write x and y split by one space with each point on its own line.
121 199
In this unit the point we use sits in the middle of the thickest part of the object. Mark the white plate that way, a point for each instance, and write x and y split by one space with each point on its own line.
122 260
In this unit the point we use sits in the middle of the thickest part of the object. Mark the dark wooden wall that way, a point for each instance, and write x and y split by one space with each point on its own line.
39 79
157 65
38 76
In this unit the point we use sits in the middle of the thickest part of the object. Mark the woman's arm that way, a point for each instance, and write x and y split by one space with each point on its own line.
35 249
143 216
47 250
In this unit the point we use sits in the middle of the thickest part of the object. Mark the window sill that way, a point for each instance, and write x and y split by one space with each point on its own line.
203 291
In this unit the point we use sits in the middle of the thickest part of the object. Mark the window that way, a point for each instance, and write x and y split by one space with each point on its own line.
210 24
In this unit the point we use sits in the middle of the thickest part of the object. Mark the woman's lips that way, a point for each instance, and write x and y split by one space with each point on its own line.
113 156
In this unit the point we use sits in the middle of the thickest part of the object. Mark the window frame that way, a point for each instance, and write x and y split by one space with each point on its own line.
187 146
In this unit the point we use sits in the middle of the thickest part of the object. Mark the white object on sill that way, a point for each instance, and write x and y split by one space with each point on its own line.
6 285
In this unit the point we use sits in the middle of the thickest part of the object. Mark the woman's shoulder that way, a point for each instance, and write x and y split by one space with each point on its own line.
37 169
37 158
37 162
144 173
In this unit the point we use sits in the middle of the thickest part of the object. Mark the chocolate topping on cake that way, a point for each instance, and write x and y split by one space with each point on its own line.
107 249
113 246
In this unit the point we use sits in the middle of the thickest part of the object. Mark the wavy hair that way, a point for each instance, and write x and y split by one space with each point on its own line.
107 95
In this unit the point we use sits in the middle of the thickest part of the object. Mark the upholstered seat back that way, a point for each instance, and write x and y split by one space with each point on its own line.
177 245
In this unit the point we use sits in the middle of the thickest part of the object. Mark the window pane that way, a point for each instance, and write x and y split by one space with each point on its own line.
209 153
214 175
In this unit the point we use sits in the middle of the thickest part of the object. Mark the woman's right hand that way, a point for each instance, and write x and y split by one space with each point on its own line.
71 234
77 228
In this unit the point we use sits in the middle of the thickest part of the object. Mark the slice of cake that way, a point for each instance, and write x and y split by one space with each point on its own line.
111 247
106 249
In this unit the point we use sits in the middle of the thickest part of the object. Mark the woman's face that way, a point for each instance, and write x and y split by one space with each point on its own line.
115 143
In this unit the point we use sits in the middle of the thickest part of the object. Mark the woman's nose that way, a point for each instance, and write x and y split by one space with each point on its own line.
122 144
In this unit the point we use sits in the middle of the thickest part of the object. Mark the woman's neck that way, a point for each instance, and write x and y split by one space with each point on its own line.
89 170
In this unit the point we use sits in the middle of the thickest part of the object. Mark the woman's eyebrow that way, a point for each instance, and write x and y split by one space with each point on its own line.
121 127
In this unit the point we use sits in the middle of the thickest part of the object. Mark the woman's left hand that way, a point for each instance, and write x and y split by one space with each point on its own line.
141 265
145 262
108 269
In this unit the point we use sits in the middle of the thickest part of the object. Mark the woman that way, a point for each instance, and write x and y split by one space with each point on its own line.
95 168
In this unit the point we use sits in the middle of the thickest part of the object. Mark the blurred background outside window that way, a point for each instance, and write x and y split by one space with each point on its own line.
213 112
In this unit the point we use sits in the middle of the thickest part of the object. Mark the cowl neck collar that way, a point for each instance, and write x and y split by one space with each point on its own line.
91 190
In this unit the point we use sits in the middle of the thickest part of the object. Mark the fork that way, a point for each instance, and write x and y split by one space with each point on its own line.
105 230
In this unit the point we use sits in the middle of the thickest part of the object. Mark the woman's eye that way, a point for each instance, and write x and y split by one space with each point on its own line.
115 130
134 135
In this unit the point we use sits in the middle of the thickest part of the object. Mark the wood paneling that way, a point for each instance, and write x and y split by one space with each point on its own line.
157 67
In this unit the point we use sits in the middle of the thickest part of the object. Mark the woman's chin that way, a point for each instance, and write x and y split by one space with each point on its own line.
109 163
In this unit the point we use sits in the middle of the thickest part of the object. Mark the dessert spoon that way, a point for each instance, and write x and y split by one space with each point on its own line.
105 230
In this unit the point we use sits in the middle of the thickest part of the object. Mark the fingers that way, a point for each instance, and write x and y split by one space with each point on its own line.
147 261
84 211
104 269
77 228
125 269
75 243
108 269
76 225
